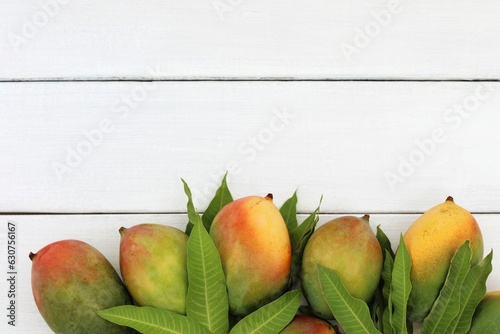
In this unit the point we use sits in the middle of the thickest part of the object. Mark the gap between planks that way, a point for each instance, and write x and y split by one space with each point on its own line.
238 79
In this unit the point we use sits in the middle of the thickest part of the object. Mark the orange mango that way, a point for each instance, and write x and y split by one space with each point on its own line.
71 280
304 324
255 249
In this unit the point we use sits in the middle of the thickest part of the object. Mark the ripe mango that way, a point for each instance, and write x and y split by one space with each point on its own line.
432 240
71 280
348 246
153 264
255 251
486 319
304 324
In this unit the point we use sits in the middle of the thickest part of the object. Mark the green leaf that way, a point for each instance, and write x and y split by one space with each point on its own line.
299 238
193 215
300 235
387 320
377 309
151 320
473 290
385 282
400 287
222 197
387 275
289 212
270 318
207 300
351 313
386 293
447 305
384 242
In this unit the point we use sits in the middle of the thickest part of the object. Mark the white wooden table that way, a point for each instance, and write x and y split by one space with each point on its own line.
382 107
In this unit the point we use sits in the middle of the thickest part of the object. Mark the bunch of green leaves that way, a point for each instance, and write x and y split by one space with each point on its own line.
207 307
463 289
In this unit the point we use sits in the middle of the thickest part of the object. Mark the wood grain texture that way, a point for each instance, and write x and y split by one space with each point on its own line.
374 147
101 231
319 39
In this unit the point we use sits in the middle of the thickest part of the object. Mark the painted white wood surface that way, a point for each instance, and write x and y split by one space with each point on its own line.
448 39
121 147
101 231
114 147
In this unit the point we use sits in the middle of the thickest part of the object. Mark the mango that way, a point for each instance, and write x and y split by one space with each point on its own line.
153 264
432 240
304 324
71 280
486 319
348 246
252 239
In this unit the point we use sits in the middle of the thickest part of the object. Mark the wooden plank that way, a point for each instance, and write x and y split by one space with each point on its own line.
101 231
382 39
365 146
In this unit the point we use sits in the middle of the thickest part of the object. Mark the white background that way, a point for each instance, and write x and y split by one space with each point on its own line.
382 107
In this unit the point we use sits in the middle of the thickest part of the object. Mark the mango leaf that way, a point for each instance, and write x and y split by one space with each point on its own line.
270 318
207 300
222 197
300 235
447 305
151 320
289 212
384 242
377 309
400 287
384 322
473 290
386 293
193 216
387 320
299 238
387 275
351 313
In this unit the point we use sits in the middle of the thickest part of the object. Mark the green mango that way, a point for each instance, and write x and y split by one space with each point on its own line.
486 318
153 264
348 246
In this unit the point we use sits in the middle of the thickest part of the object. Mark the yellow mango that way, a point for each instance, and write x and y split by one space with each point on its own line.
432 240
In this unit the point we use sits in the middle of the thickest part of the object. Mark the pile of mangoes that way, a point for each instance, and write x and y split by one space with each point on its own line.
72 281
